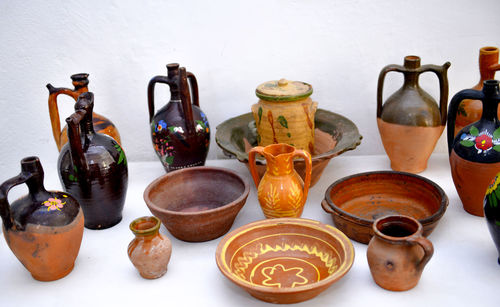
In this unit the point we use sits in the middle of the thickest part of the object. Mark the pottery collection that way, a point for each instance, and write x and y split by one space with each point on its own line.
410 122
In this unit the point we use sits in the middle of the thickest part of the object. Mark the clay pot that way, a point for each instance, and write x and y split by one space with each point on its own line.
410 121
285 114
180 131
101 123
149 251
470 110
43 229
198 203
281 191
475 150
398 253
492 210
93 168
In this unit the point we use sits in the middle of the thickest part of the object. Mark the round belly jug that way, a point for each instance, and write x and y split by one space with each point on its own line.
180 131
410 121
101 123
43 229
475 150
93 168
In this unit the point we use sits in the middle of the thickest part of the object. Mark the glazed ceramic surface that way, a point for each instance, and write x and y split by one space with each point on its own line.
475 150
334 135
492 210
470 110
410 121
285 260
43 229
179 130
281 191
93 168
101 123
149 251
398 253
356 201
285 114
199 203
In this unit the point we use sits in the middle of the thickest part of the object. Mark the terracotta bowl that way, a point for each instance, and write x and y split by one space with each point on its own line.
198 203
286 260
356 201
334 135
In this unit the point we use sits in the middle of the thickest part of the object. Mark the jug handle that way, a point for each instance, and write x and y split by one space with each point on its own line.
5 212
442 74
428 250
151 93
75 142
308 161
380 84
186 100
252 165
494 67
452 112
54 111
194 88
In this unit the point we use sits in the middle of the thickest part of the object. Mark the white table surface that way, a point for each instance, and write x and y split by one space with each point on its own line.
463 271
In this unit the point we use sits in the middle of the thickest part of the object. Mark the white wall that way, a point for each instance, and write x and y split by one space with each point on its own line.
232 46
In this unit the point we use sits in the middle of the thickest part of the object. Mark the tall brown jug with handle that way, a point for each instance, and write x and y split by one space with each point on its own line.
410 121
101 123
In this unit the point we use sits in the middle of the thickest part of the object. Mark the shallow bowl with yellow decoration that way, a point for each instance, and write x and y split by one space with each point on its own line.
285 260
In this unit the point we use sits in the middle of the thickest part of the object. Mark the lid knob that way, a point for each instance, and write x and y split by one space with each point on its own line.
283 82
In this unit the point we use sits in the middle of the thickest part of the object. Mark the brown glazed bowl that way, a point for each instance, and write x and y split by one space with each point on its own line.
198 203
356 201
285 260
334 135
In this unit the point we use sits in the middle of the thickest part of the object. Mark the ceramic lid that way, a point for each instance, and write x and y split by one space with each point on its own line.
283 90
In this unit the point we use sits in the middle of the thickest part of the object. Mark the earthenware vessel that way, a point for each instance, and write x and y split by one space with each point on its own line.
101 123
475 150
286 260
334 134
281 191
93 168
179 130
198 203
43 229
410 121
470 111
356 201
398 253
285 114
149 251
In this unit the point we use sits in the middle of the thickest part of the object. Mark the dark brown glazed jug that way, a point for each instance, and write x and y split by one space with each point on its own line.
93 168
410 121
43 229
101 123
180 131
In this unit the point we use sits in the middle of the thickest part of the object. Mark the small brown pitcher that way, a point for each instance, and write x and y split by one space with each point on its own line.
398 252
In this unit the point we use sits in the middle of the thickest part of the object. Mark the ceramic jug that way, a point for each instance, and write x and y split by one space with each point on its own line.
410 121
398 252
180 131
149 251
285 114
93 168
475 150
101 123
281 191
43 229
492 210
470 111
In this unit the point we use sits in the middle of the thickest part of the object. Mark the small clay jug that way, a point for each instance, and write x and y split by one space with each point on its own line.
475 150
43 229
101 123
398 252
410 121
179 130
149 251
285 114
93 168
281 191
470 110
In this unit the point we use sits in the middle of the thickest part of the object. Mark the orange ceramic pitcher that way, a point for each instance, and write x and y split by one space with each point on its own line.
281 191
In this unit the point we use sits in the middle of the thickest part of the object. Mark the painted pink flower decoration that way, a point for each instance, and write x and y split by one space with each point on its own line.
484 142
53 204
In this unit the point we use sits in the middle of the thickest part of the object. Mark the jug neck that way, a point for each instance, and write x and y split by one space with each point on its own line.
491 99
279 159
411 79
145 228
33 166
488 56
